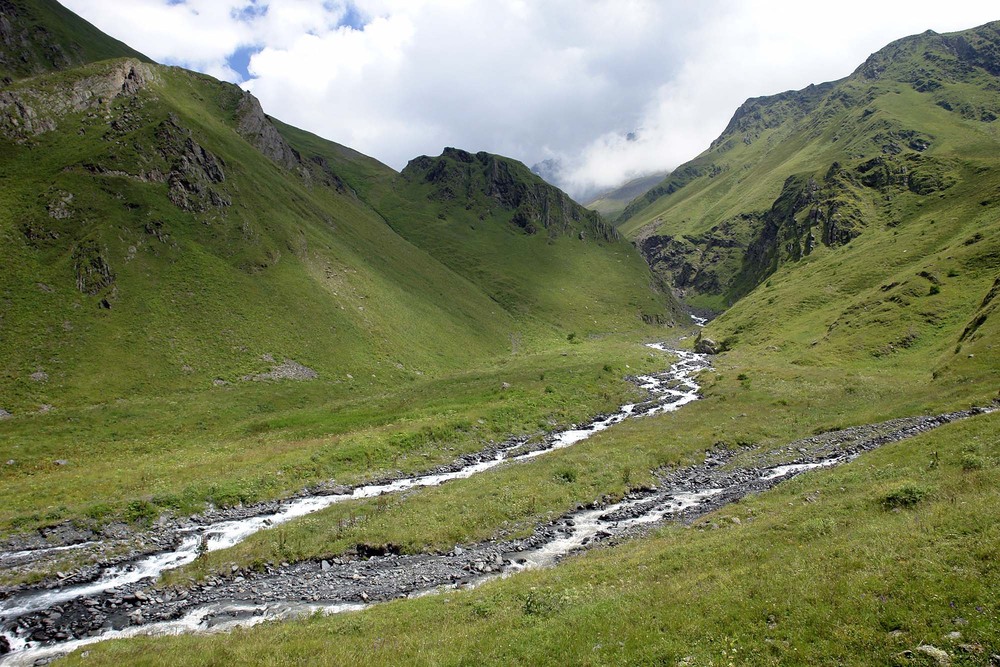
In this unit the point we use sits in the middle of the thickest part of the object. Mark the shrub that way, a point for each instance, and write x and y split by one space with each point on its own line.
141 511
906 495
567 475
971 461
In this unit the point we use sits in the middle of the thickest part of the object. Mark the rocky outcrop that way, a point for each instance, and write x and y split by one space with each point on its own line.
255 126
705 345
194 171
286 370
27 111
490 181
703 263
738 254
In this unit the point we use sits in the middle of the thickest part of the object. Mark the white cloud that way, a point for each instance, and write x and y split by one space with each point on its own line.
560 79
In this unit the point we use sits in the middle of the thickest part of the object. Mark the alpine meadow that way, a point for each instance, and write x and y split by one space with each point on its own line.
265 400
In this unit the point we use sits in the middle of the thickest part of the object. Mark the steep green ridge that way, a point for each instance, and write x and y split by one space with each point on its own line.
173 259
526 244
156 207
39 36
158 250
612 203
815 169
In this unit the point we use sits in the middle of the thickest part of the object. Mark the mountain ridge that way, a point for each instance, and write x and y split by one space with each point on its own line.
38 36
143 168
828 153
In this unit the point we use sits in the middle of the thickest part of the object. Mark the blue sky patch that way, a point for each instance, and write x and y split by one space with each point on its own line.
353 18
249 11
240 60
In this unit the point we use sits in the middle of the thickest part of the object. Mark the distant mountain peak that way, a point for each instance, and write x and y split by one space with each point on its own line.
488 180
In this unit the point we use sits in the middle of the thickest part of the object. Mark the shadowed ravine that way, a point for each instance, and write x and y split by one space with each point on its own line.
121 602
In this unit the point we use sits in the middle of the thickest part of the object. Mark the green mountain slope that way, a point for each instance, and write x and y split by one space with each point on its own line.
165 210
556 267
39 36
812 170
174 260
161 233
150 247
526 244
612 203
851 225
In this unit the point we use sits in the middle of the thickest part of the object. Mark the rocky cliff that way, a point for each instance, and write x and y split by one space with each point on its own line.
814 168
490 181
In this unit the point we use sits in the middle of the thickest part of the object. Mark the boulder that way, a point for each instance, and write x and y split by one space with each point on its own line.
705 345
939 656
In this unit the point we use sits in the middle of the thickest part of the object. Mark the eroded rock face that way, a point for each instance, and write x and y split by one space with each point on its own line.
489 182
254 126
286 370
194 170
26 112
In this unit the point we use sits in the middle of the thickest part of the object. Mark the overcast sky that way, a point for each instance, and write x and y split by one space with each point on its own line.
606 89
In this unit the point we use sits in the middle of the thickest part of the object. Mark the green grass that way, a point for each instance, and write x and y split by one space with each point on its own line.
242 444
835 578
147 399
415 308
56 39
750 398
293 268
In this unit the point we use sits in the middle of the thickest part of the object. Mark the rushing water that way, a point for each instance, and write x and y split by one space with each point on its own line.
219 617
693 491
588 524
668 391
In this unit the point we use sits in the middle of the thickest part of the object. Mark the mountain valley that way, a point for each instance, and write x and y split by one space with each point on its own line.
208 315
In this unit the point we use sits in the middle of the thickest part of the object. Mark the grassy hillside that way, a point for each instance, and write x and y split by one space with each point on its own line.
164 242
532 249
38 36
171 251
158 250
795 173
897 320
612 203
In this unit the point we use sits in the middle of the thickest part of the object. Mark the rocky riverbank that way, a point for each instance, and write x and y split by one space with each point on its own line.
685 494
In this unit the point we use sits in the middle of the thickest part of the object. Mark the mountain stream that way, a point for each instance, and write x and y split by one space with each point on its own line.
121 601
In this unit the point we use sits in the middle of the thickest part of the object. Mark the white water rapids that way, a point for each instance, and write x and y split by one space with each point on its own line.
668 391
